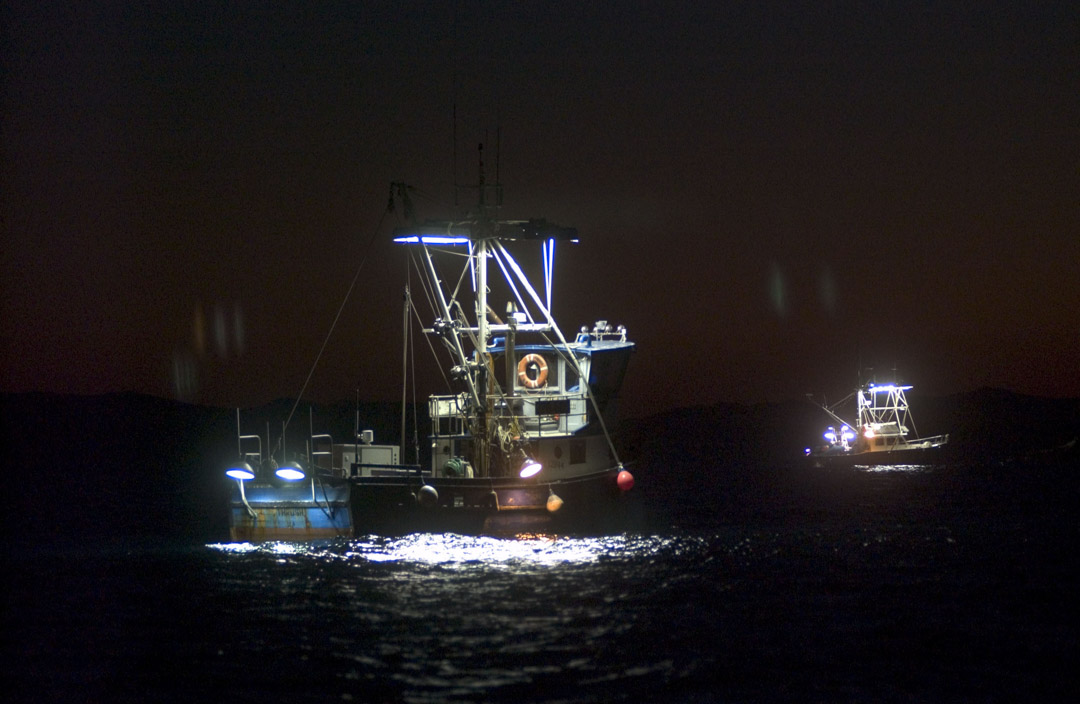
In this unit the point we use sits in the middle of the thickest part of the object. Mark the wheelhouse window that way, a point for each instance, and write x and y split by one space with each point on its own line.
572 379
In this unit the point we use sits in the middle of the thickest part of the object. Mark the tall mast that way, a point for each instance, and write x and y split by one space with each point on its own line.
481 295
481 452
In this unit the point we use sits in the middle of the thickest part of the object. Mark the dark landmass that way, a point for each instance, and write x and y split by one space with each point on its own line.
133 464
136 465
729 463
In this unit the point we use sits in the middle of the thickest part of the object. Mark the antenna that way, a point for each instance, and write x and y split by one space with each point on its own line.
453 158
498 153
482 187
453 89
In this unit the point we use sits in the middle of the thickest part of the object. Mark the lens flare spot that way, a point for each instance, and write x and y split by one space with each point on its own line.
185 374
777 290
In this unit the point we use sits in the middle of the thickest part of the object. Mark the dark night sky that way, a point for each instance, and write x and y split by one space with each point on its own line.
769 194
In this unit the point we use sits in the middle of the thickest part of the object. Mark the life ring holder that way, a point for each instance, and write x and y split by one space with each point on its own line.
541 374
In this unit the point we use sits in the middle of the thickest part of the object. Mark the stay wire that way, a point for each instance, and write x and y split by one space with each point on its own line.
352 285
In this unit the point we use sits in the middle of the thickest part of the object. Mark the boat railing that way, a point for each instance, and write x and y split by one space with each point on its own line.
318 455
562 414
935 440
246 456
602 330
537 414
448 414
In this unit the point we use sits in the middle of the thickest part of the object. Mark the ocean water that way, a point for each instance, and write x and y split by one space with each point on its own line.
906 584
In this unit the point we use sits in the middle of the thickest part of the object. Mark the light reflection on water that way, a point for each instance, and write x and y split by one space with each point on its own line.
886 468
443 617
452 550
825 597
435 617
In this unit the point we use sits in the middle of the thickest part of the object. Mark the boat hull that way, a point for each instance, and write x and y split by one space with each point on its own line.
489 506
920 455
308 510
339 508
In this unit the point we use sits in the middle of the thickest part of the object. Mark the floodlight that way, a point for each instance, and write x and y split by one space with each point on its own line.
240 471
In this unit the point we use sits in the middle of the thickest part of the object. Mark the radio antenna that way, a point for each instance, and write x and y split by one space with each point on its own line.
498 152
454 90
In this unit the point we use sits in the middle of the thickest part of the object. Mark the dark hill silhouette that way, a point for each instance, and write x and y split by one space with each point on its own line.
722 462
129 464
135 464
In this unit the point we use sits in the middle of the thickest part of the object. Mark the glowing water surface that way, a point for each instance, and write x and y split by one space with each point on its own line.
886 468
460 551
901 583
432 617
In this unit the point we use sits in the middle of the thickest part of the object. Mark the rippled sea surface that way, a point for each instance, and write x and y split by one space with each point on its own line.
909 585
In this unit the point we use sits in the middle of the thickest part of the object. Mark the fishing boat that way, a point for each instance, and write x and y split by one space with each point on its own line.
884 432
520 439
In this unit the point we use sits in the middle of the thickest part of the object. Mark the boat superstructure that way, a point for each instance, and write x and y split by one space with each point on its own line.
527 392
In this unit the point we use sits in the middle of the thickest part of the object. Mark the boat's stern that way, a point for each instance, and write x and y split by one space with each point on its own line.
316 508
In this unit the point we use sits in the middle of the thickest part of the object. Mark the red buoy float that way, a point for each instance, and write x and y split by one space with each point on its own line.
625 480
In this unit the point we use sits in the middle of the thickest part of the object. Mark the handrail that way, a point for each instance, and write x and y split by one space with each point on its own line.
257 438
321 453
241 438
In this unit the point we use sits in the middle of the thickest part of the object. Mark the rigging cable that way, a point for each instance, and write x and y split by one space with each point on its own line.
412 362
337 317
588 390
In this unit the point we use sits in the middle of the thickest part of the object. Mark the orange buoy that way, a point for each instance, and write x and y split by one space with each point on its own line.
625 480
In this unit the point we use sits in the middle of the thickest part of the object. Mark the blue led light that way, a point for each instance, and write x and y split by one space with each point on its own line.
432 239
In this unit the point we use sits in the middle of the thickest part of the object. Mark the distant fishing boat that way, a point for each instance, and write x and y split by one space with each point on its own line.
883 433
519 441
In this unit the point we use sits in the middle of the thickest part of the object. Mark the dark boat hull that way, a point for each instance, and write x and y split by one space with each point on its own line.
342 508
470 506
927 455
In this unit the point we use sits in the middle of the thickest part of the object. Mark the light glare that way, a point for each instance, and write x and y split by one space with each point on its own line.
290 473
241 472
530 469
431 239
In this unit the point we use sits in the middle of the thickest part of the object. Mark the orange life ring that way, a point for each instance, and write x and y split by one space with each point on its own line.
540 364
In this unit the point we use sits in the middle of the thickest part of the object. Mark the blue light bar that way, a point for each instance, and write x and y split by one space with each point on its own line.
887 389
432 239
454 232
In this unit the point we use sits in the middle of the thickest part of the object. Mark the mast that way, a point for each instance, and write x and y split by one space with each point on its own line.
482 430
493 435
405 364
481 296
481 355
